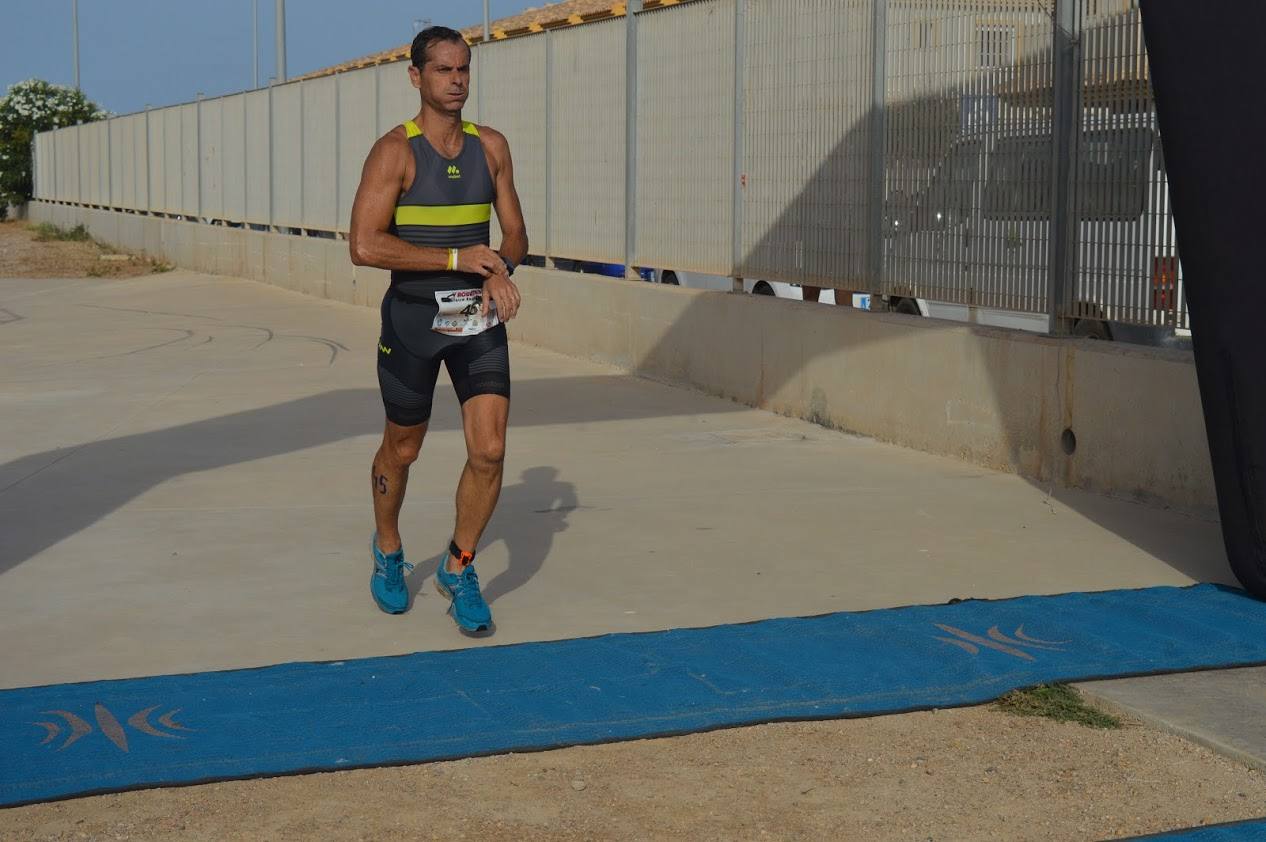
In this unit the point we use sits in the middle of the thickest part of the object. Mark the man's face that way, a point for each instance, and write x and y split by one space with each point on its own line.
445 79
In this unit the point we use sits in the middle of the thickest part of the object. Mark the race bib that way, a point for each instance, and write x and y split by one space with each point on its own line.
459 313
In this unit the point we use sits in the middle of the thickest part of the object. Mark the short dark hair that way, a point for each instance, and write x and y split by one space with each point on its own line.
433 35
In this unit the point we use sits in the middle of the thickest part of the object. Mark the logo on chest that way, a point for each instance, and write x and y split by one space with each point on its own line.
454 171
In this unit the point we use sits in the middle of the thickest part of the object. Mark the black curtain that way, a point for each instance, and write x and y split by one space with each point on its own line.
1207 59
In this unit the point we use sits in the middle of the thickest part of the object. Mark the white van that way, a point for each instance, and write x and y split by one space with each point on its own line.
755 286
724 283
980 231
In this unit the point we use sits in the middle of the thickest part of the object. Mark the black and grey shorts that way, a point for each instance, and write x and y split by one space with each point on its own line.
410 353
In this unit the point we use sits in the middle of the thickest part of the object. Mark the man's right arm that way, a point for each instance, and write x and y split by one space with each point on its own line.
370 241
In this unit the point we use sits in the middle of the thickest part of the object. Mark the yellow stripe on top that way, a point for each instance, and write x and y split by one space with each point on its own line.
411 128
443 214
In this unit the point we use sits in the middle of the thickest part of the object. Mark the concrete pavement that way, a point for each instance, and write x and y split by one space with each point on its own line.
184 486
1224 710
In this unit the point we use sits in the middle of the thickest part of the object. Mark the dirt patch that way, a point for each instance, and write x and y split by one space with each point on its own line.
27 251
950 775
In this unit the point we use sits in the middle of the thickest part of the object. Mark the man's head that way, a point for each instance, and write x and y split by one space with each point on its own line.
441 68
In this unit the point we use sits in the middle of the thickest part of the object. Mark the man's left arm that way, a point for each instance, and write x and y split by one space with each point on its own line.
514 240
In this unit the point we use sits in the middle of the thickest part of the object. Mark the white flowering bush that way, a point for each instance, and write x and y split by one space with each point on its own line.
29 107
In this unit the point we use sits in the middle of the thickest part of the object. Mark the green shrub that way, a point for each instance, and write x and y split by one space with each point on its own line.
30 107
45 232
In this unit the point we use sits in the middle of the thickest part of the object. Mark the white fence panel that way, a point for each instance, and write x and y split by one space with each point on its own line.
287 155
258 158
514 104
320 150
587 148
357 131
233 157
211 158
685 138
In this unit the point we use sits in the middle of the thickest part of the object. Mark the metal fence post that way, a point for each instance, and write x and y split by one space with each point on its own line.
109 164
35 167
246 158
739 182
303 166
338 156
149 198
197 134
878 136
549 146
224 211
272 162
630 136
1066 44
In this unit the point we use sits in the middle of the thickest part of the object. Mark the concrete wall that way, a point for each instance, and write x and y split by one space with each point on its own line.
311 265
996 398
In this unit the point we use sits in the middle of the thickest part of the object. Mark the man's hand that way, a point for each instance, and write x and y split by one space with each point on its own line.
500 289
480 260
497 284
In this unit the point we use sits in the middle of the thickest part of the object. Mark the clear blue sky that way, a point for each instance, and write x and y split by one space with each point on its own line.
134 52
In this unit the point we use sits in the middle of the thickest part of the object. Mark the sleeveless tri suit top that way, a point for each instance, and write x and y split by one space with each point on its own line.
449 205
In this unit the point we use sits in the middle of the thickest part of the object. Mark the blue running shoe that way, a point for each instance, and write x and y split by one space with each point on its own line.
387 582
468 609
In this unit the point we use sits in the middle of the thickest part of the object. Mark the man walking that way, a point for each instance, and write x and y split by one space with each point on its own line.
423 211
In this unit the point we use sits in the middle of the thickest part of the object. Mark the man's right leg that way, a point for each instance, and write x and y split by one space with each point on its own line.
406 378
407 371
399 449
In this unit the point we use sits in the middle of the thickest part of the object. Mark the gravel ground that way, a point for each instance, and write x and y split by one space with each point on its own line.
22 256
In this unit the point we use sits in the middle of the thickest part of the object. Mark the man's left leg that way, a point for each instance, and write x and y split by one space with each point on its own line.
484 419
480 371
484 422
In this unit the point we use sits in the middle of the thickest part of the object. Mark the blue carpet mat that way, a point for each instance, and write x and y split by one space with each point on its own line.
73 739
1233 832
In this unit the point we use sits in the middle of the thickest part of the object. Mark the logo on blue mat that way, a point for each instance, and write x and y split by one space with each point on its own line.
994 639
109 726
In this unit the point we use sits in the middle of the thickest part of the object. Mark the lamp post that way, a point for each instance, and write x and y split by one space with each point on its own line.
74 25
281 40
255 43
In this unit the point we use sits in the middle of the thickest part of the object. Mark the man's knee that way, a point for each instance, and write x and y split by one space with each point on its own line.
403 450
488 455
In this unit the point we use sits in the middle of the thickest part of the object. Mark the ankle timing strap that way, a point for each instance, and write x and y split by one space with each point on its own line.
466 558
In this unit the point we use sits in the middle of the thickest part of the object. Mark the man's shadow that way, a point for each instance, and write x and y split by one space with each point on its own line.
529 514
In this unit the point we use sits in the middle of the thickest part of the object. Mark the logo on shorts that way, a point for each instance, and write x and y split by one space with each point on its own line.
383 348
454 171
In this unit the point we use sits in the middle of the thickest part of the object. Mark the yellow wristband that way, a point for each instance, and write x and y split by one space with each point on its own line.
452 259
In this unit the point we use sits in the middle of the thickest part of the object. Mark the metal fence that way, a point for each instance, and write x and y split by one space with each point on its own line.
992 153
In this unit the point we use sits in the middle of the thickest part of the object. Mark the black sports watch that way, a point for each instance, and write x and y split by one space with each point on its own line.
509 264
